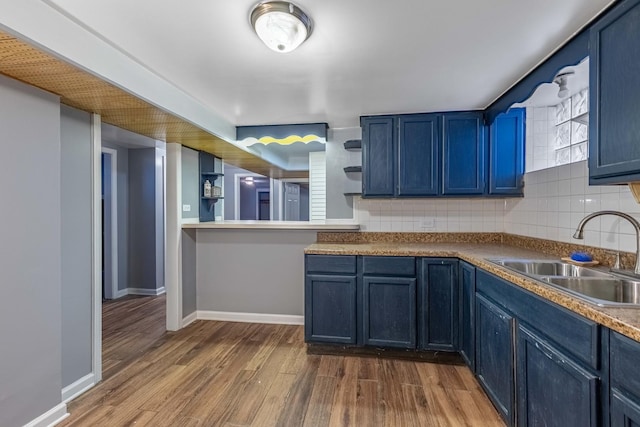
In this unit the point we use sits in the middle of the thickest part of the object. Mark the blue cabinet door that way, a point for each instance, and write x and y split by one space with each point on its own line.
625 381
624 411
330 309
378 156
553 389
389 311
418 155
464 155
494 355
467 314
506 161
614 83
438 304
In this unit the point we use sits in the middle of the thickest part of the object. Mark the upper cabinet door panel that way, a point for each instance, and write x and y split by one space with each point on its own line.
614 128
418 155
464 153
506 161
378 147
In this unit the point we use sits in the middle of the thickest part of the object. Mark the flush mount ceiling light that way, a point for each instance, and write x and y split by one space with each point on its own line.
561 80
281 25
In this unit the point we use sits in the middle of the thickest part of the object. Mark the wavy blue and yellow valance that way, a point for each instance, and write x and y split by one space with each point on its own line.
282 134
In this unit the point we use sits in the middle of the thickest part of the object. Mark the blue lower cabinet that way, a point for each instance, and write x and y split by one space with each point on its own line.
389 311
495 355
330 309
438 304
466 323
625 381
625 412
553 389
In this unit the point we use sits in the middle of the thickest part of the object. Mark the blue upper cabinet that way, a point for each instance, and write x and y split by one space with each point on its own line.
418 155
506 161
614 128
378 156
463 154
423 155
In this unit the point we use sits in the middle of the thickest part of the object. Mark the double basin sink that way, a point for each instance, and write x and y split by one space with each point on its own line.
596 286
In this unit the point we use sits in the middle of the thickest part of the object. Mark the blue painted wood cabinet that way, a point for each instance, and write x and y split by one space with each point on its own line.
506 158
438 302
494 355
556 358
381 301
418 155
463 157
330 299
379 156
614 83
389 301
552 388
625 381
421 155
466 322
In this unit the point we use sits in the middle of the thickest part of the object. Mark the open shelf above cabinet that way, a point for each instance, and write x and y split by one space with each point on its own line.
353 169
353 144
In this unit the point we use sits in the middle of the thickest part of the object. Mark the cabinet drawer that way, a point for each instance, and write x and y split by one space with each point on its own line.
389 265
338 264
576 334
625 356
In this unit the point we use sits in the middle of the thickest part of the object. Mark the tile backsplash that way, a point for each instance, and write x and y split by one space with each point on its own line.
555 201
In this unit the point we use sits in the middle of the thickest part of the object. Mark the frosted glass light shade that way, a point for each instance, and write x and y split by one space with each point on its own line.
282 26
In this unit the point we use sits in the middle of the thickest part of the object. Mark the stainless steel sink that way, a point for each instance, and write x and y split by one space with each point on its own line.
601 291
598 287
550 268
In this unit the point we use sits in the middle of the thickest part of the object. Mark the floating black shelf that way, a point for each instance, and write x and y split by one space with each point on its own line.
353 194
353 144
212 174
353 169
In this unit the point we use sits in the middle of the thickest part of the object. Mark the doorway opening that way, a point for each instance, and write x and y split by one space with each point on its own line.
109 190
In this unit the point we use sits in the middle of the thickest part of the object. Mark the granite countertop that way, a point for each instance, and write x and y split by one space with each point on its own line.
623 320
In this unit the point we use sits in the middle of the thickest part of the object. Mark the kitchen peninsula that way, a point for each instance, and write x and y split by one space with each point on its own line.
248 270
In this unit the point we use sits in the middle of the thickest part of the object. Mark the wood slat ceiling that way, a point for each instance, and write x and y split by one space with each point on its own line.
80 89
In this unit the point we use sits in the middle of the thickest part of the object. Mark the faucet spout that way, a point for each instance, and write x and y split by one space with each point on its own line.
579 234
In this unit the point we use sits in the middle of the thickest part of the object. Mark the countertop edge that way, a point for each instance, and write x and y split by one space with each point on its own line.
604 316
272 225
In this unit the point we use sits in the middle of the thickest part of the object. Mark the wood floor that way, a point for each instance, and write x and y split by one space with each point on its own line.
241 374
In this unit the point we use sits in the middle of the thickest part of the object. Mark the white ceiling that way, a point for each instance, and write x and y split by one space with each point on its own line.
364 56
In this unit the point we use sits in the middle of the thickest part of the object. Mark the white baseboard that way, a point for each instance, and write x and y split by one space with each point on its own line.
140 291
279 319
75 389
190 319
146 292
50 418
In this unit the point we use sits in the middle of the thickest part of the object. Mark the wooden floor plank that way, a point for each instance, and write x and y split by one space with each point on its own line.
240 374
319 410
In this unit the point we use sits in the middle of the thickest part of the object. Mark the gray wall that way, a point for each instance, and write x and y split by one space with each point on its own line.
338 205
190 182
123 213
75 160
30 254
252 271
188 272
142 218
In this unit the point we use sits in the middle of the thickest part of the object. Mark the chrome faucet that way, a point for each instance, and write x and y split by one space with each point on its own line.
580 231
